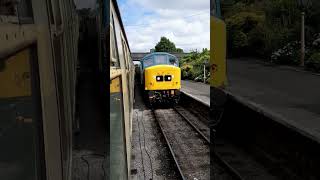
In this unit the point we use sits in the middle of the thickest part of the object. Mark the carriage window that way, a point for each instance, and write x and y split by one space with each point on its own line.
124 47
19 103
114 55
160 59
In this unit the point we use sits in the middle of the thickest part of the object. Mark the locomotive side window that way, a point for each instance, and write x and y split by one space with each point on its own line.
147 62
173 61
20 117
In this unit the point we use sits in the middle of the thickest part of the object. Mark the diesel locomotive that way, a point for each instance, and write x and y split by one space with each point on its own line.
161 78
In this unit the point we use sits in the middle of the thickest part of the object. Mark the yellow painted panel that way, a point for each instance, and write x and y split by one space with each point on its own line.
150 74
15 75
218 53
115 85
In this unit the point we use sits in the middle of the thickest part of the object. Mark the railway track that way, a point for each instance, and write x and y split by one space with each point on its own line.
192 129
222 170
187 135
188 145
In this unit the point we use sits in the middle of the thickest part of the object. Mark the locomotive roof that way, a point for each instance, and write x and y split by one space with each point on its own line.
158 53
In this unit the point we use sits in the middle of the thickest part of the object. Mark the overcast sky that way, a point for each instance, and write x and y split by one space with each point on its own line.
185 22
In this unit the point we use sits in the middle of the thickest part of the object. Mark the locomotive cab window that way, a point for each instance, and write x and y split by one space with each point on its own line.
161 59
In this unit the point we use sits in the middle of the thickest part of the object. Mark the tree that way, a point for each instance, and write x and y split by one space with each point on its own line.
179 50
165 45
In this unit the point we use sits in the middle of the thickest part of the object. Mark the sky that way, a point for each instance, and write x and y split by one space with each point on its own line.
184 22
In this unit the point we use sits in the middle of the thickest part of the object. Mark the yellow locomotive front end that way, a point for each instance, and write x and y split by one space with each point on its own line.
162 78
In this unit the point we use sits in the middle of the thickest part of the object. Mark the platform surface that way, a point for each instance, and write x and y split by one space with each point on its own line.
198 90
288 95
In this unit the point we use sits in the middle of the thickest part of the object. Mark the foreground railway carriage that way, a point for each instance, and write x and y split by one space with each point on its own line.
38 56
161 77
218 64
121 97
218 46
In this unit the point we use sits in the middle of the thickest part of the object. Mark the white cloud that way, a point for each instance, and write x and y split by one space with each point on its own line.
174 4
186 23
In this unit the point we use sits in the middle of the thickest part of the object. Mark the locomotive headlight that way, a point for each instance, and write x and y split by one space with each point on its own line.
159 78
167 77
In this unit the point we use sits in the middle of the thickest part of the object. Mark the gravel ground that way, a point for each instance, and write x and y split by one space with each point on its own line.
242 161
193 154
194 119
150 157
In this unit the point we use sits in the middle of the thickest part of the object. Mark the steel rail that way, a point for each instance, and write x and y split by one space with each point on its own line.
192 125
169 145
234 172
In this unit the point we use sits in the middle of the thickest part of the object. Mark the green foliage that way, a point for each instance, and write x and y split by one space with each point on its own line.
266 28
244 32
288 54
165 45
239 40
313 62
244 21
179 50
193 63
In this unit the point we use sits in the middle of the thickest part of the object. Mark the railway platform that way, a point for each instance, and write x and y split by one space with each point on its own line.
286 95
196 90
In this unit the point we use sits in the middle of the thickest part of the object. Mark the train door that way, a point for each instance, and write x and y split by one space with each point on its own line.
21 134
117 141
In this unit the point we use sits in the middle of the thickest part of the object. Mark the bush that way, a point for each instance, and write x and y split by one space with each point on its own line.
187 71
256 39
192 65
313 62
243 32
288 54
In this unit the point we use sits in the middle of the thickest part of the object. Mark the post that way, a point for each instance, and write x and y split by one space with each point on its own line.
302 40
204 73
